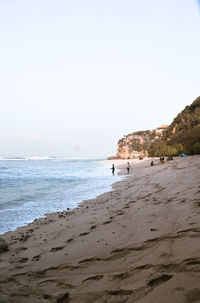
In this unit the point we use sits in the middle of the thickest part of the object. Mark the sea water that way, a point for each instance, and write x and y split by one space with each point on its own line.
32 187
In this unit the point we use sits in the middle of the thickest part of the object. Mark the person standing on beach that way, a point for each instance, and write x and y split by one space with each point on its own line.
128 167
113 169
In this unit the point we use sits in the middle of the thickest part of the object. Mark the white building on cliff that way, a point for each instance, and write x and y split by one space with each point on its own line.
161 128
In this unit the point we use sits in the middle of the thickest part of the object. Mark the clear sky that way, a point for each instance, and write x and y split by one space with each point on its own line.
78 75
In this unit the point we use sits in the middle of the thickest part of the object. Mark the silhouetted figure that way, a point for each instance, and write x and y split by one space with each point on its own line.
152 163
162 159
113 169
128 167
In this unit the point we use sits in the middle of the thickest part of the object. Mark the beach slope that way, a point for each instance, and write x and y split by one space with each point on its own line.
137 243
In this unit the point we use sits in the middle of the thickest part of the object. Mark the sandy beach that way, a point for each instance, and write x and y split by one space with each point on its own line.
139 243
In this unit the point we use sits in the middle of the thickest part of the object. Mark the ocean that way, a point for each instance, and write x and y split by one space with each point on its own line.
32 187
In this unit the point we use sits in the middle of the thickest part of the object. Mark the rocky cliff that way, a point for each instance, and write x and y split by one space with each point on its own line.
183 135
135 145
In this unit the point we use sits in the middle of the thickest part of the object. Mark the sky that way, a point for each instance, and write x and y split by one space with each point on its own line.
76 75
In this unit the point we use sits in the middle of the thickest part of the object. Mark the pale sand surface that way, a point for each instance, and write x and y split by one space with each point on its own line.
138 243
119 162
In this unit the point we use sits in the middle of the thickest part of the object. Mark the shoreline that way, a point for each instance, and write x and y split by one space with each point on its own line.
120 165
114 247
91 195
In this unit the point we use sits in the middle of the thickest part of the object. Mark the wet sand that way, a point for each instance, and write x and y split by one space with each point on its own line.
137 243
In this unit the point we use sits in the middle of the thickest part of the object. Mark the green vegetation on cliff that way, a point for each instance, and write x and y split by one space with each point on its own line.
183 135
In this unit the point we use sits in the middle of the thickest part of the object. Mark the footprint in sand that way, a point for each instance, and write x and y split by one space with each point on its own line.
153 229
120 213
57 248
107 222
193 295
17 250
70 240
84 234
23 260
36 258
193 261
89 260
120 276
61 297
93 278
120 292
133 201
159 280
127 206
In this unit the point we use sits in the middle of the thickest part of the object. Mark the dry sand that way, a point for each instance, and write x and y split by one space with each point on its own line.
137 243
119 162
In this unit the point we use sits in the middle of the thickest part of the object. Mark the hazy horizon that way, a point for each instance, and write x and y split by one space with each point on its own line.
77 76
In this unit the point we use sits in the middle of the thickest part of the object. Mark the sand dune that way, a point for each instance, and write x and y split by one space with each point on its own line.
137 243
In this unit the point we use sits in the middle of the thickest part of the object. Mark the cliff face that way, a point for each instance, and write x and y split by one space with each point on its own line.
183 135
126 150
135 145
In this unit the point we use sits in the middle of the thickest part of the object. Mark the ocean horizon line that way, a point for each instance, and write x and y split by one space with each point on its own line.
39 158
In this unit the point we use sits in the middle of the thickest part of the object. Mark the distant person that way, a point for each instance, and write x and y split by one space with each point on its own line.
128 167
152 163
162 159
113 169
